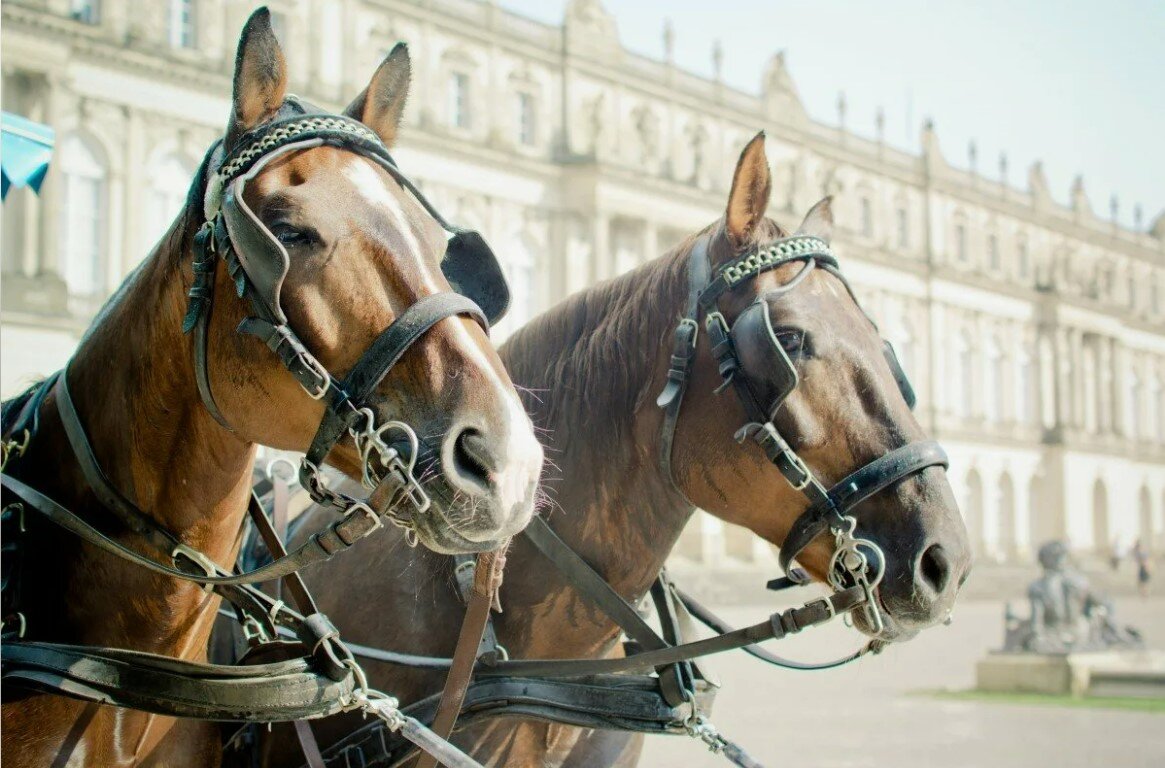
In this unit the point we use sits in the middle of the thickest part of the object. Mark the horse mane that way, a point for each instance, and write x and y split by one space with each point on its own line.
577 361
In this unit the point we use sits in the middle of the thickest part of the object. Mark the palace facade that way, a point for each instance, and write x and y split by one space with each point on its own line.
1034 331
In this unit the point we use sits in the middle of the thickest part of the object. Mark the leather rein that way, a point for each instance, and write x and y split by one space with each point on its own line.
326 679
676 696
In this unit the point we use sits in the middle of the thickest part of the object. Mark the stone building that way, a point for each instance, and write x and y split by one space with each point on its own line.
1034 332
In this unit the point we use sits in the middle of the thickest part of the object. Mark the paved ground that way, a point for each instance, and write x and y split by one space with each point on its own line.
872 713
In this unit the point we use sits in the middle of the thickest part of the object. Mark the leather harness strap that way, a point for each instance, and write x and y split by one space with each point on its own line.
486 582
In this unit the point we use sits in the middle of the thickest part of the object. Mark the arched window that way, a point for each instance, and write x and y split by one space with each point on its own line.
1134 404
85 11
995 388
1024 386
83 213
1089 374
1023 259
964 371
169 183
182 23
973 511
961 243
527 119
459 104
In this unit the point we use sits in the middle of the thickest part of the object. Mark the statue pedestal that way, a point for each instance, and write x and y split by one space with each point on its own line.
1127 673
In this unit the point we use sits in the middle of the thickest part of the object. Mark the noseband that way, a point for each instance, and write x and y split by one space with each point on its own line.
752 361
258 263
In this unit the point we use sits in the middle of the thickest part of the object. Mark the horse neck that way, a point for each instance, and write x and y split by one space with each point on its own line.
133 385
590 371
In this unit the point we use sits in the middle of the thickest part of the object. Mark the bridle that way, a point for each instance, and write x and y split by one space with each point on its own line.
753 362
326 679
613 693
258 263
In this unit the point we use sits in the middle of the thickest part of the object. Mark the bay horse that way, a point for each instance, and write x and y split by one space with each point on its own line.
590 369
360 248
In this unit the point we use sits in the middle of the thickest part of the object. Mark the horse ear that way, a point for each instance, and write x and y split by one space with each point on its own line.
260 77
749 198
819 221
381 105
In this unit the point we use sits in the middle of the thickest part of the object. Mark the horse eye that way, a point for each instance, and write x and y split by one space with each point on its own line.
291 237
793 342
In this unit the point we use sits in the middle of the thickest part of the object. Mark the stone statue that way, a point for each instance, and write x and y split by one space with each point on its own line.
1067 615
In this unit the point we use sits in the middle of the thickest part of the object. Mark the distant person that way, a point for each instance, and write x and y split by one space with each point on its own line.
1115 554
1141 558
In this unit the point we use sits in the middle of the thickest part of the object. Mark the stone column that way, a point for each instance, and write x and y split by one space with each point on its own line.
1076 339
1116 387
1104 384
1063 378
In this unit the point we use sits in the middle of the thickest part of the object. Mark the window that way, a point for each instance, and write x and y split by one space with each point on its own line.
459 100
85 11
1134 404
169 182
965 365
903 229
995 393
1023 259
1155 295
1132 290
867 217
83 218
182 23
1025 414
993 253
526 120
961 243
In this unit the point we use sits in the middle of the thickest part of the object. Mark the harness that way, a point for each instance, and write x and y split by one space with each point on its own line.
270 685
658 686
259 263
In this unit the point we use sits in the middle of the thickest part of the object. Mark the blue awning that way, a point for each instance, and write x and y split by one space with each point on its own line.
25 152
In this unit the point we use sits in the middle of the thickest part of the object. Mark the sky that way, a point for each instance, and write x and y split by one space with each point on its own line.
1077 85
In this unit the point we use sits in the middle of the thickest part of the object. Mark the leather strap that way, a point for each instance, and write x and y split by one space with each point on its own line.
860 485
385 352
705 616
274 692
687 332
320 547
595 588
487 580
777 626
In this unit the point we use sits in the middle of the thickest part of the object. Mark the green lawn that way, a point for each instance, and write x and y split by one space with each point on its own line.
1042 699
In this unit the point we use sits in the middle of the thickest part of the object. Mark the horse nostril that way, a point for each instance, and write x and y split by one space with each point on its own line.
472 459
934 568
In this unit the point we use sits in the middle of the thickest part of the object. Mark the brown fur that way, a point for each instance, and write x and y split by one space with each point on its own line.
133 383
590 369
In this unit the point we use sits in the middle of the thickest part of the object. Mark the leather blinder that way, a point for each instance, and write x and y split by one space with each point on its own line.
768 371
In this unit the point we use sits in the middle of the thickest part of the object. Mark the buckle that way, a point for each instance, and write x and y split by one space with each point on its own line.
799 464
253 631
322 376
198 558
361 508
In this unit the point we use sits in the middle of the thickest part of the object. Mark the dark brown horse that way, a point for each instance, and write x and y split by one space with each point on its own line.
362 250
592 367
